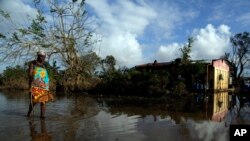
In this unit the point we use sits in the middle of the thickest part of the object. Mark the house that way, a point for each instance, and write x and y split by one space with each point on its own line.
158 65
214 78
218 75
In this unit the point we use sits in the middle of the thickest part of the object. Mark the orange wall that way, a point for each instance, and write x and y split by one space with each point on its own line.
220 68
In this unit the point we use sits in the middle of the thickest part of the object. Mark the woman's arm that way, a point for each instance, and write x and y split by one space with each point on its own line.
31 71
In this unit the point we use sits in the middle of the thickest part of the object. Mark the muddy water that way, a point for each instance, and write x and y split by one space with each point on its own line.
107 119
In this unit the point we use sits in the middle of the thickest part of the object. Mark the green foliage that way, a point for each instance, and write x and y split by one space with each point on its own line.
180 89
90 63
2 36
186 50
178 79
158 81
126 81
108 64
15 77
4 14
192 73
36 26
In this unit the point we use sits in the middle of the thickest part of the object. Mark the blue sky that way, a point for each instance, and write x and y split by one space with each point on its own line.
141 31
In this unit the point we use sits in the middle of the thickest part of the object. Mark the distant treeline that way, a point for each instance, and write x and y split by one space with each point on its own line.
178 80
110 81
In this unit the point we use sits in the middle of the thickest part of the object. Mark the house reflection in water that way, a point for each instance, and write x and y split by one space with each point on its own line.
217 107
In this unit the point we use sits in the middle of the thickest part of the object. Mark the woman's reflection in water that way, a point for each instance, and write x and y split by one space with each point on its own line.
37 135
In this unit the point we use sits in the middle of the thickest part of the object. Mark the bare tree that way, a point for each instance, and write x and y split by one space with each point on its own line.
62 29
239 54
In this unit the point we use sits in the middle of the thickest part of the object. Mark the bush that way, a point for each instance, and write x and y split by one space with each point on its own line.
15 77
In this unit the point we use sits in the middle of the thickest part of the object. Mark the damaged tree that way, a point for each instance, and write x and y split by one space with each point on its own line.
238 57
61 29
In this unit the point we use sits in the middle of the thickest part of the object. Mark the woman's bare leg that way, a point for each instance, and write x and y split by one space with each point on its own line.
42 110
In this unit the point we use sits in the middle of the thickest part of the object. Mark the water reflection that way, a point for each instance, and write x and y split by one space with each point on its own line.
217 105
39 135
212 106
119 118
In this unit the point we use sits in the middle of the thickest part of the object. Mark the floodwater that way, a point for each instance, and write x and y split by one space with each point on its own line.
88 118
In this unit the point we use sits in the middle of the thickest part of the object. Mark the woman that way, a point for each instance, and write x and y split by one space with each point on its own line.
38 83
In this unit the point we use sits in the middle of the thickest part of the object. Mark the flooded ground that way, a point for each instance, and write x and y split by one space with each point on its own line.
110 119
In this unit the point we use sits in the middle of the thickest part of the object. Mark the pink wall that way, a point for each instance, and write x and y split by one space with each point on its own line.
221 64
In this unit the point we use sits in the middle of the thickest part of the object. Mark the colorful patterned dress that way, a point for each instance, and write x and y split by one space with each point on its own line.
40 84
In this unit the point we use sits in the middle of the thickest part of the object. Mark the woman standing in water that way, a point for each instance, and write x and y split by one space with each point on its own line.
38 84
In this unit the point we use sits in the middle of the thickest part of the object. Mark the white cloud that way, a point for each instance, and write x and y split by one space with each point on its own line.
208 130
120 24
211 42
19 13
122 16
124 47
168 53
121 29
